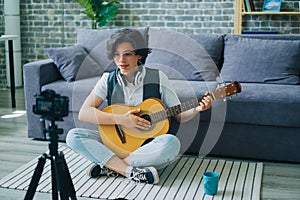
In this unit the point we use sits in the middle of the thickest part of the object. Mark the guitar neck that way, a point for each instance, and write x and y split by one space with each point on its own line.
219 93
174 110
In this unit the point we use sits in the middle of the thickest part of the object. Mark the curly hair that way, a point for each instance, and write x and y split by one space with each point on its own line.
132 36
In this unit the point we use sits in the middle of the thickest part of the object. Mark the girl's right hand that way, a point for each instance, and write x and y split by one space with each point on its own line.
135 122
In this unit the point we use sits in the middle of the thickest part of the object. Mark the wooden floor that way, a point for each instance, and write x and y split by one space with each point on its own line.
280 180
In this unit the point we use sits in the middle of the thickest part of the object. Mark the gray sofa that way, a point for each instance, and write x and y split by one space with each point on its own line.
262 122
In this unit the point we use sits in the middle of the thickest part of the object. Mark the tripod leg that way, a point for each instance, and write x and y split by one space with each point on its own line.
64 180
36 177
54 180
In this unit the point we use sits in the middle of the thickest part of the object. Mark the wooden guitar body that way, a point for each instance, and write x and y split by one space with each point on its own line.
134 139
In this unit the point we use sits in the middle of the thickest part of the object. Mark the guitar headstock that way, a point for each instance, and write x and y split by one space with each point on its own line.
226 91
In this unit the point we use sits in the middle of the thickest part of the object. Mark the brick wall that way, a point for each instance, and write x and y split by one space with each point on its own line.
53 23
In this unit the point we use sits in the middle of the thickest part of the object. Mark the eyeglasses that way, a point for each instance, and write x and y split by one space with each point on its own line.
126 54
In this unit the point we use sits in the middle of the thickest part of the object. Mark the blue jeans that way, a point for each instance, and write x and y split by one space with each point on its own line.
158 153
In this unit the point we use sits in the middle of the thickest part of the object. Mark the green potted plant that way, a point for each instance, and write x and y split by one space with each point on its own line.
100 12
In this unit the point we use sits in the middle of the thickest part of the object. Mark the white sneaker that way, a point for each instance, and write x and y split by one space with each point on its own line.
144 175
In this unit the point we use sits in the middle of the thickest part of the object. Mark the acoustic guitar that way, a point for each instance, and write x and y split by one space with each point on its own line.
123 140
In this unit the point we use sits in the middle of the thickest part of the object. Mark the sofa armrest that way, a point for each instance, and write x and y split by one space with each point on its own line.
41 72
35 75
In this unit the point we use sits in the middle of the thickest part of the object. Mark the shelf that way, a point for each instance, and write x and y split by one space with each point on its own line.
239 12
271 13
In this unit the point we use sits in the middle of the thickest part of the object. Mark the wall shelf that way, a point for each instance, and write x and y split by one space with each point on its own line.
239 12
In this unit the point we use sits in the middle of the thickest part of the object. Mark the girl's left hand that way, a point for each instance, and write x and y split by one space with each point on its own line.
205 103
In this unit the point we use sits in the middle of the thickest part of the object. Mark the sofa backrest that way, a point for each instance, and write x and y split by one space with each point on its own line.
245 58
185 57
262 59
200 54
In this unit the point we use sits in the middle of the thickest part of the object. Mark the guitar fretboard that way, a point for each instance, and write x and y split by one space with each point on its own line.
223 92
174 110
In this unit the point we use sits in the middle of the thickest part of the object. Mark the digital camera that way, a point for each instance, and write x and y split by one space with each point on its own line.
51 106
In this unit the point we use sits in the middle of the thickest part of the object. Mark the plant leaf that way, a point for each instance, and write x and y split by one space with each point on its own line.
99 11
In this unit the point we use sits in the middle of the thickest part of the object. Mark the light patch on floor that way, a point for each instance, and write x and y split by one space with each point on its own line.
14 114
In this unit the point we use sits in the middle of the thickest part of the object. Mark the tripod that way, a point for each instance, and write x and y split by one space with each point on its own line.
61 179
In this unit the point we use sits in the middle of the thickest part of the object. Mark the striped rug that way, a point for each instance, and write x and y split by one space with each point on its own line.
181 180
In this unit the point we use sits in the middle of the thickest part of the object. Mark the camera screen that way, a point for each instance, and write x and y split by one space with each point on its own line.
44 106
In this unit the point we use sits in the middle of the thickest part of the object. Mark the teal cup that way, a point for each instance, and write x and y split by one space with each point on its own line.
210 181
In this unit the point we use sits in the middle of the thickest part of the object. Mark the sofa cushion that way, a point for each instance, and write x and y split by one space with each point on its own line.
94 41
185 57
73 62
265 104
261 60
259 104
213 44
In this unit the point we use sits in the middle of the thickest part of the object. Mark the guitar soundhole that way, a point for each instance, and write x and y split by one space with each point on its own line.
146 117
